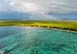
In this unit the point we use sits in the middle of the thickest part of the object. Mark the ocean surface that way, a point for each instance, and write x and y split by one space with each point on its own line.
32 40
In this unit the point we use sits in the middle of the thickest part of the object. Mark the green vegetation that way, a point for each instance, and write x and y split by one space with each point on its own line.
62 24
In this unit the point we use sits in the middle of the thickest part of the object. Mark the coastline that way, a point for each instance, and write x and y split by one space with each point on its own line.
60 29
75 31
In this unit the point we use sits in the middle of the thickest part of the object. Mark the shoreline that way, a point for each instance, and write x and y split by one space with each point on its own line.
62 30
54 28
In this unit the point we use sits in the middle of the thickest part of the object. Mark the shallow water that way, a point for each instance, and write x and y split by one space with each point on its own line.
28 40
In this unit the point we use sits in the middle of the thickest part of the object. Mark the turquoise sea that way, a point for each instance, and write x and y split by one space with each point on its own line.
32 40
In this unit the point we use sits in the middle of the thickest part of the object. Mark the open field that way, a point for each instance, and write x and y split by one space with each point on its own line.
62 24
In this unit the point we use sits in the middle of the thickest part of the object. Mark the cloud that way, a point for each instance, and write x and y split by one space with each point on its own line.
2 8
39 9
44 6
4 5
32 7
43 17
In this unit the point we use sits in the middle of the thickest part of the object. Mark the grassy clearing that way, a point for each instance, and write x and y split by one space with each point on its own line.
62 24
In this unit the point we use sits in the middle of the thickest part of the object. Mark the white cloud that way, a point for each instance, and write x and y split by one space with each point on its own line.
43 6
43 17
2 8
4 5
40 7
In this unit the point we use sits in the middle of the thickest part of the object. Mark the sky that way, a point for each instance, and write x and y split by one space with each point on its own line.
38 9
